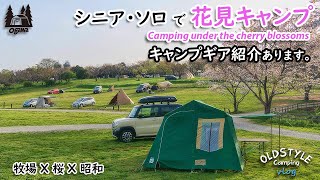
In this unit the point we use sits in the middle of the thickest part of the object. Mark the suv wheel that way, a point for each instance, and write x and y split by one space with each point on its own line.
126 136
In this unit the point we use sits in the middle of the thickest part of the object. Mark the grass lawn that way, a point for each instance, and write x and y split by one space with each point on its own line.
32 118
305 120
123 161
184 90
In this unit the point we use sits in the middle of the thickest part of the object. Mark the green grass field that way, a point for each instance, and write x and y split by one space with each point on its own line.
31 118
184 90
123 161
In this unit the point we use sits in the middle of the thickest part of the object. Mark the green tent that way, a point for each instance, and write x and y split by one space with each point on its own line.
196 136
258 116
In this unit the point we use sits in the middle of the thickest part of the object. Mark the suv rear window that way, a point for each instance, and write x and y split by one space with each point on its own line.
146 112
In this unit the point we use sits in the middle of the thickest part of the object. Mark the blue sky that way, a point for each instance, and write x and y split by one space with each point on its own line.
54 35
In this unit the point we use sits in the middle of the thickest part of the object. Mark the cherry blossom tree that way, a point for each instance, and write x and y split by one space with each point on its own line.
265 80
311 74
222 81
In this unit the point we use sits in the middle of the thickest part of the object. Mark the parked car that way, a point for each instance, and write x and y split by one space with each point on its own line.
84 101
154 87
171 77
30 102
55 91
143 120
97 90
148 76
143 88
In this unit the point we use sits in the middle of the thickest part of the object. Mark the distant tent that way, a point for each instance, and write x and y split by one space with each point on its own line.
121 98
44 102
196 136
187 75
164 85
111 89
147 85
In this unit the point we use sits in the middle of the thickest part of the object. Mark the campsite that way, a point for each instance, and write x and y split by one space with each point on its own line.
182 89
125 160
165 90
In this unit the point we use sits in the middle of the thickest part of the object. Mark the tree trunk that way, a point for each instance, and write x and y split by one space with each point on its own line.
306 96
267 107
307 90
235 105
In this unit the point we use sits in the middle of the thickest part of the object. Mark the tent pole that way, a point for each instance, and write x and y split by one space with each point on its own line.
279 130
271 133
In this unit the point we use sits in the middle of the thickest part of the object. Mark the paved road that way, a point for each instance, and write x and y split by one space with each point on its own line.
17 129
240 123
67 110
247 125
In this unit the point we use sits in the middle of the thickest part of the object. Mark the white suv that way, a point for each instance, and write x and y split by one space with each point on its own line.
143 121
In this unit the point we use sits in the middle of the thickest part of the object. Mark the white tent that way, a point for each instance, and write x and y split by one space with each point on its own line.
164 85
44 102
187 75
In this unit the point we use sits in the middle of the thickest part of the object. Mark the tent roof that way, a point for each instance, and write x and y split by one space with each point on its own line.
121 98
188 75
200 107
46 97
258 116
164 84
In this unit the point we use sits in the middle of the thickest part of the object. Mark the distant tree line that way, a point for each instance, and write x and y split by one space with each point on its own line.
49 71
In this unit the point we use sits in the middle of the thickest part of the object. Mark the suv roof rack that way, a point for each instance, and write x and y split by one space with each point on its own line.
154 99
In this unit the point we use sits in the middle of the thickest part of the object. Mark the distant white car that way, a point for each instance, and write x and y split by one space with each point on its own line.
84 101
97 90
